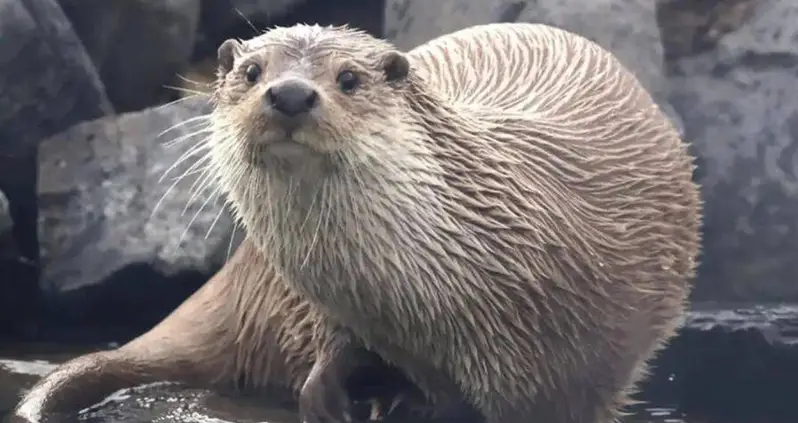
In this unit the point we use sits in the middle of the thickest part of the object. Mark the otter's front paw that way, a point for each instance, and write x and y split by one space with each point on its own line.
376 408
324 399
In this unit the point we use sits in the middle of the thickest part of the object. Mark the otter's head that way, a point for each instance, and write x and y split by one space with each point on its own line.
306 98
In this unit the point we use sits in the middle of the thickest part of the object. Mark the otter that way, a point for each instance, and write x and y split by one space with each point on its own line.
244 331
503 212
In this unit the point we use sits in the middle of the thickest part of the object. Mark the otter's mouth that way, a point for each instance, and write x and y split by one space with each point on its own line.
283 150
287 148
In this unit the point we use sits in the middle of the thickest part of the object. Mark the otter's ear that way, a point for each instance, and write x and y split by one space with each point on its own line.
226 54
395 65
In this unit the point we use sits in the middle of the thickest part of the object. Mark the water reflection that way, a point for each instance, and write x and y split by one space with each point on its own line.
165 403
169 403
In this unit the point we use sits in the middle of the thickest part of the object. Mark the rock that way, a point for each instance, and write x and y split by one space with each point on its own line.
19 291
47 81
13 300
739 101
409 23
5 215
137 45
99 187
47 84
245 18
693 26
367 15
730 363
219 17
627 28
263 8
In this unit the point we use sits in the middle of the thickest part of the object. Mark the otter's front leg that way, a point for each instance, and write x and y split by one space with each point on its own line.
342 371
324 397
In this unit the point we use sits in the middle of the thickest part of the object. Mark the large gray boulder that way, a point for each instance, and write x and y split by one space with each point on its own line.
47 84
738 96
99 185
137 45
409 23
47 80
627 28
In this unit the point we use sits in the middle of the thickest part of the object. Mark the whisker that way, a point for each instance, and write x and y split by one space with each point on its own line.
289 203
310 209
174 184
247 21
184 122
183 157
191 81
194 218
323 207
202 182
324 215
166 194
195 171
360 189
163 197
230 243
178 140
174 102
218 215
186 90
177 180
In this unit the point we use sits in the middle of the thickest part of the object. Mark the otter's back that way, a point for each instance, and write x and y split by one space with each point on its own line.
516 67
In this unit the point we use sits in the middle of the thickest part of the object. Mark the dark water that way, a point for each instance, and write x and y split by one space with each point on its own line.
168 403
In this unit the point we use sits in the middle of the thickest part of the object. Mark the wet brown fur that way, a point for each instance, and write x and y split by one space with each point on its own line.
515 214
244 330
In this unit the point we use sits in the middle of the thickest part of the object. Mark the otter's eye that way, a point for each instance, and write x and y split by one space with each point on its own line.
348 81
253 73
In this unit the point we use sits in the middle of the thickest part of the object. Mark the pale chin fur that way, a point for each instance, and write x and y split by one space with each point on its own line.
313 223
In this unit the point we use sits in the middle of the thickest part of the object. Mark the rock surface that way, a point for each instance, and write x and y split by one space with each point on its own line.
738 95
98 198
47 84
137 45
690 26
259 9
730 363
47 81
409 23
244 18
5 215
107 252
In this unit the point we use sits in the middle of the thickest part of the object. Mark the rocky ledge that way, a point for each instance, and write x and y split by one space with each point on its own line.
87 140
731 362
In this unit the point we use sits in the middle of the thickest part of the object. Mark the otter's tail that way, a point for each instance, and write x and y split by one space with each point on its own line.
83 382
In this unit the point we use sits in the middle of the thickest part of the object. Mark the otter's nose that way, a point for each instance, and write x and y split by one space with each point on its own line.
291 97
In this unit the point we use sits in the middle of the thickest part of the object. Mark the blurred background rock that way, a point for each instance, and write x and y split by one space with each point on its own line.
86 257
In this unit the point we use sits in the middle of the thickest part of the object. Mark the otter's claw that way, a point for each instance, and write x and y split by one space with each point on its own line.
324 400
376 408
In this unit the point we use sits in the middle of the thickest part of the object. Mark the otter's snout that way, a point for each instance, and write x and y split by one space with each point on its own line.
292 97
